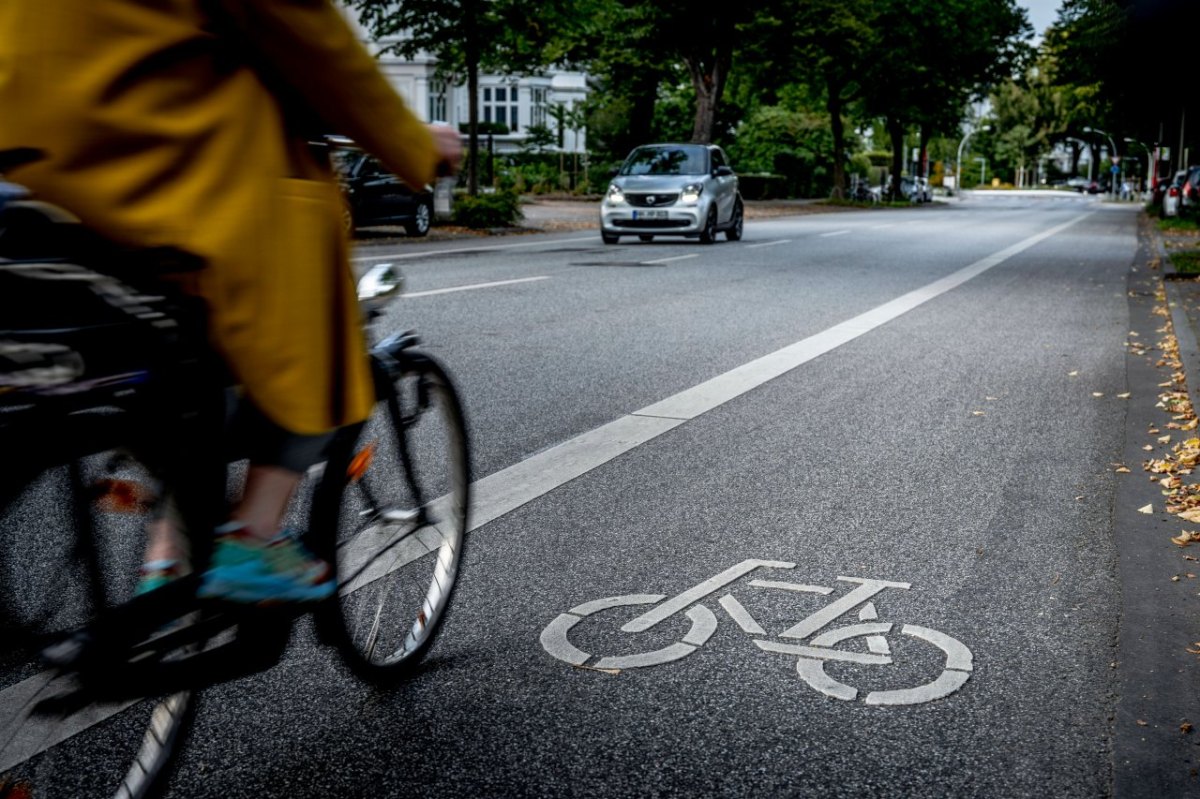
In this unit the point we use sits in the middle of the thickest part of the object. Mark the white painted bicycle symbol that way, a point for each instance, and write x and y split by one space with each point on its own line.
809 641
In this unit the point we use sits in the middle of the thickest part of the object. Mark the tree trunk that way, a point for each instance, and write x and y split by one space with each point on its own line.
708 81
896 133
922 153
473 125
833 104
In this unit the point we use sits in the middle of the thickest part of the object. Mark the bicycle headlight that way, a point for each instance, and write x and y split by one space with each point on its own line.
615 195
691 193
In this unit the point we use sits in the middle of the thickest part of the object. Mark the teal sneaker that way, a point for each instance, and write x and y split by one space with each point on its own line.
248 570
154 574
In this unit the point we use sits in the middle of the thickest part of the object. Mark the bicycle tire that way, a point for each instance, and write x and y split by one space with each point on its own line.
402 522
91 565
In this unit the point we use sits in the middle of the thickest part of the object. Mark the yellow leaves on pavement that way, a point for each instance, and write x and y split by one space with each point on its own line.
1146 509
1186 537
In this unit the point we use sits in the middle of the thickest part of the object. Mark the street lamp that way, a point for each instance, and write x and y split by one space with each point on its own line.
982 168
958 161
1151 177
1116 156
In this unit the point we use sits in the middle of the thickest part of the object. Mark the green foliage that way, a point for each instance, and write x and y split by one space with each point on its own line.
501 209
486 128
1187 263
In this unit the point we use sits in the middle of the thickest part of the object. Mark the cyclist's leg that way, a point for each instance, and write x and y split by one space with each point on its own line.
254 560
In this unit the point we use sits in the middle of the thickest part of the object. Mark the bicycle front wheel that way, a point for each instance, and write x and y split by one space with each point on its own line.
403 521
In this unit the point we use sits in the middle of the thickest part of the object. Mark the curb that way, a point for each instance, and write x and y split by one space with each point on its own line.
1155 751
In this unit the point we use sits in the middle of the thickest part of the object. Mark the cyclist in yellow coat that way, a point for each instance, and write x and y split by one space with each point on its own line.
184 123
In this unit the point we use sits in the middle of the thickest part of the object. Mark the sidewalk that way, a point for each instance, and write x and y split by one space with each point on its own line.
1156 750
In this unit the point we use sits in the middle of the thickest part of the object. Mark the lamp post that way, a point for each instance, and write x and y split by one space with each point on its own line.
1116 157
982 168
958 161
1151 178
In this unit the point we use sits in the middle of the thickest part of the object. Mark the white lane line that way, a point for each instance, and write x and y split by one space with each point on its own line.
672 258
457 250
834 233
473 286
768 244
506 490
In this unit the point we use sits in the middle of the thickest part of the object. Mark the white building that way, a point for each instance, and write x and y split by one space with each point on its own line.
517 102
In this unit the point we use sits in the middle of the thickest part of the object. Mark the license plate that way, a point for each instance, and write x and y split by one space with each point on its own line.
649 214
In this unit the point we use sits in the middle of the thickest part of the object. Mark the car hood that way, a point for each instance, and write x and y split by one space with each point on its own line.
663 183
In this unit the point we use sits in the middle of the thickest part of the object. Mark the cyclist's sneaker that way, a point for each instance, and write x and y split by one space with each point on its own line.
249 570
154 574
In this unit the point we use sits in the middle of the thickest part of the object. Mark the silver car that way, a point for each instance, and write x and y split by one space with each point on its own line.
673 190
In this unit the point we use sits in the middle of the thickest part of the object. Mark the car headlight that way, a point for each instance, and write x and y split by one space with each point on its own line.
691 193
615 195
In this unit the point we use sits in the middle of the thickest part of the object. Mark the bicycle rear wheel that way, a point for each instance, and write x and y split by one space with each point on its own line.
403 521
70 541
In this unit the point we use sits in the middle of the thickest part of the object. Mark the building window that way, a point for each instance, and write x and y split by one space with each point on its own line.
438 91
537 107
500 105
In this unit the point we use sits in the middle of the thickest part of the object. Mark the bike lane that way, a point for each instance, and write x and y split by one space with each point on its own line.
956 449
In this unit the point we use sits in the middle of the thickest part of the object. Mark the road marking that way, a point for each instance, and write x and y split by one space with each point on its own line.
768 244
672 258
473 286
457 250
508 489
881 227
834 233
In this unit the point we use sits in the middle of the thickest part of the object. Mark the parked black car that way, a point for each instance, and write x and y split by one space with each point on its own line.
375 196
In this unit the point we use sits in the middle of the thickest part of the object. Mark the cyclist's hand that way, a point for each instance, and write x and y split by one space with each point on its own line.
449 148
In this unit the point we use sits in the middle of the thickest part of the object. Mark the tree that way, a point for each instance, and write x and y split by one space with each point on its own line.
934 56
467 36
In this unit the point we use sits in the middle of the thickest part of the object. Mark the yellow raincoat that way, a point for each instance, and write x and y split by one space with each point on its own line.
183 123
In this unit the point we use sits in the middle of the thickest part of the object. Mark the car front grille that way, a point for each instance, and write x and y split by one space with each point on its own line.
650 199
650 223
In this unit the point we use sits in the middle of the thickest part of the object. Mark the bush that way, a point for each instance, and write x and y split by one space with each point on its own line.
501 209
762 187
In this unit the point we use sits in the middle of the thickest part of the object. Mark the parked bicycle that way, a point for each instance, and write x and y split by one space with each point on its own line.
106 416
811 640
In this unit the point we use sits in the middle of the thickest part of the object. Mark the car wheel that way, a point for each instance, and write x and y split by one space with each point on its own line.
734 231
709 234
347 220
645 237
422 219
609 238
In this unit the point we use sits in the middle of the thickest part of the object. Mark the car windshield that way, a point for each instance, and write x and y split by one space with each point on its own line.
675 160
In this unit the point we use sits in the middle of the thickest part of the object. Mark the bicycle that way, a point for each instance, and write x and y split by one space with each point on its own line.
88 456
807 640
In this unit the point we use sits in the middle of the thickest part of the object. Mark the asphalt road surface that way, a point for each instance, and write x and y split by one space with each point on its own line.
921 406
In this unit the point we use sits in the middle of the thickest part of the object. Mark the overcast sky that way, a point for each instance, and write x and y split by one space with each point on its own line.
1041 13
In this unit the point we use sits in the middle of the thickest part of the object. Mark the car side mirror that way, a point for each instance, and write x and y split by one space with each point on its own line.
723 172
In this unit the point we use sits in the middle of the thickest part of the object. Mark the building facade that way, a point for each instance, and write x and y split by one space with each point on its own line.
547 100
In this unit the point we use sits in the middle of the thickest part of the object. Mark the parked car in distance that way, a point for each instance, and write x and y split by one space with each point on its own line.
673 190
1189 192
1170 206
374 196
915 190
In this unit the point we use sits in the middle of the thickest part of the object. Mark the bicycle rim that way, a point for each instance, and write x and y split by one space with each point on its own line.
53 580
402 524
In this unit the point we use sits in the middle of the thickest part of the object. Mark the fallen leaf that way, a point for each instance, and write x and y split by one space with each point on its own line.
1146 509
1073 374
1175 578
1192 516
1148 448
977 413
1185 727
1126 395
1141 723
1097 394
1164 439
